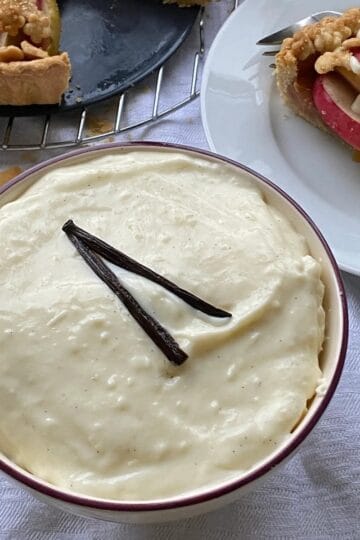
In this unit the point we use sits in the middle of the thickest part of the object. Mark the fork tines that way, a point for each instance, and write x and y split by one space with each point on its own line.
277 38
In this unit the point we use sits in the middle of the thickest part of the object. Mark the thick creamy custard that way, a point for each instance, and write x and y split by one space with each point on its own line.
87 400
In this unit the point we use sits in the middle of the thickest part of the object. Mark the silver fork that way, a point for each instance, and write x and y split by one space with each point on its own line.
277 37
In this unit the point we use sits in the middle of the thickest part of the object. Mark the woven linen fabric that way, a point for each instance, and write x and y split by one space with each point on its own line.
316 495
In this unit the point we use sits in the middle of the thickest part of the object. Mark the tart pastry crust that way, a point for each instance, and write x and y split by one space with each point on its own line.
40 81
32 72
316 49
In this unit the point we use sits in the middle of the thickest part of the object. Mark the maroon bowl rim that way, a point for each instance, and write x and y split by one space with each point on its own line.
207 494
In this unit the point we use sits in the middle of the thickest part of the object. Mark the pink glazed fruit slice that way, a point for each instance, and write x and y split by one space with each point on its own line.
333 98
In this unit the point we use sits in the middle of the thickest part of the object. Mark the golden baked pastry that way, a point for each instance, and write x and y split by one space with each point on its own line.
318 75
31 69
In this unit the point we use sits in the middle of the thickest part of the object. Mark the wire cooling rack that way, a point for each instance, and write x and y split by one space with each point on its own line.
115 116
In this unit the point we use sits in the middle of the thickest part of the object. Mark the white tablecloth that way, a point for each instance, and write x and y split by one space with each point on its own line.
316 495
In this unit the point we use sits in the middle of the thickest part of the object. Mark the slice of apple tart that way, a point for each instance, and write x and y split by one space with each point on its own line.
318 75
32 71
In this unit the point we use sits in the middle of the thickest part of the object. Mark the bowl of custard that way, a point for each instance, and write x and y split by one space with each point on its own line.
172 327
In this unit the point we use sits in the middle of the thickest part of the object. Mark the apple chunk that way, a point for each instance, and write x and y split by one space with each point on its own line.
350 76
333 98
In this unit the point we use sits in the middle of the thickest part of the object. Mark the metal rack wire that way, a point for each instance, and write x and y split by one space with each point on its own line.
41 127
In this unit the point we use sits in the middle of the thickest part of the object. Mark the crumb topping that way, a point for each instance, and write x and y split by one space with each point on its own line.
340 57
16 15
11 54
26 51
31 52
332 37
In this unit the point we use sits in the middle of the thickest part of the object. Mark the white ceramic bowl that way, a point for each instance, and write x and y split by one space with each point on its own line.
332 360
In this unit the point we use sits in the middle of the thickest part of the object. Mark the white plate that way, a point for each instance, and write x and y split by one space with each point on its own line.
245 120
